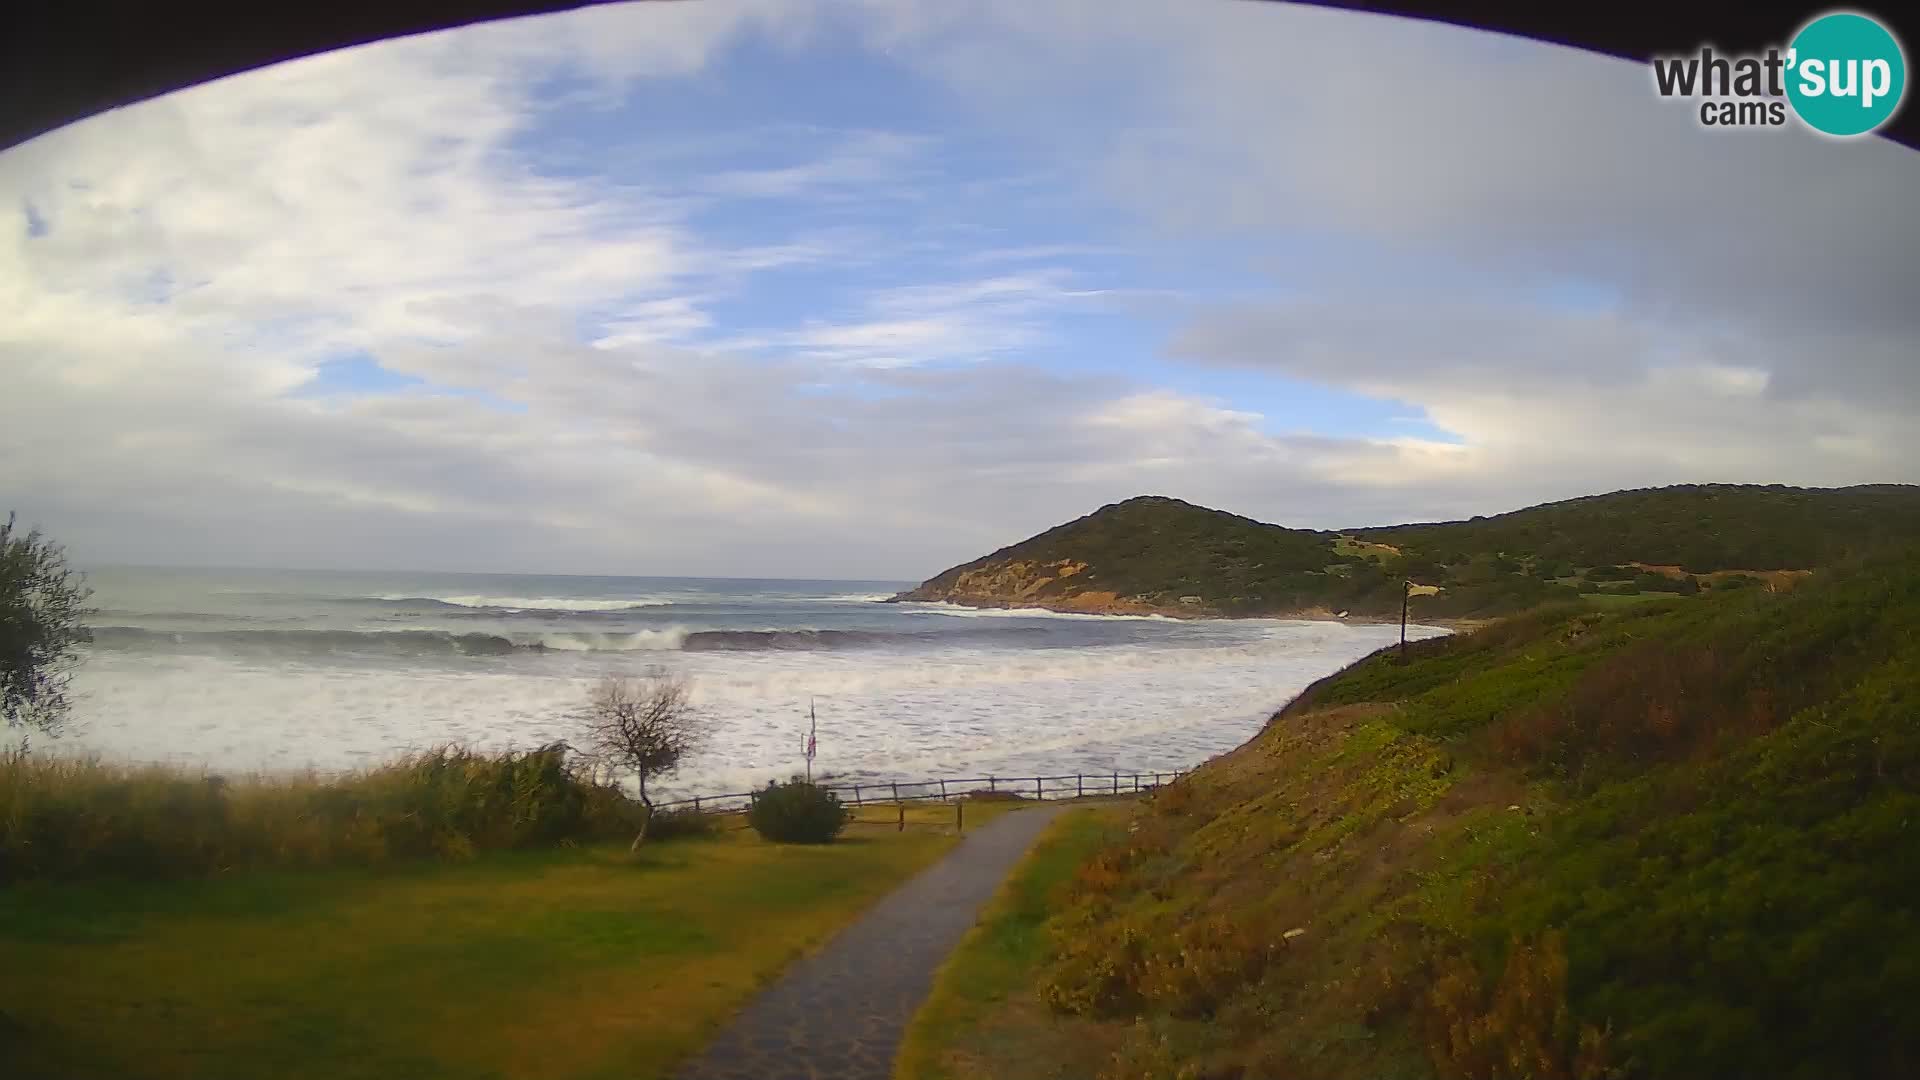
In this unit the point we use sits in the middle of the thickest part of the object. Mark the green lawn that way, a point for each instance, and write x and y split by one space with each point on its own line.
576 962
976 1018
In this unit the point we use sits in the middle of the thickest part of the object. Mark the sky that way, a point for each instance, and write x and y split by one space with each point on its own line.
864 289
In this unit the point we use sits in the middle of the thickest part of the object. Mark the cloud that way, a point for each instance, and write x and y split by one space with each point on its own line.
965 321
867 165
1521 240
822 348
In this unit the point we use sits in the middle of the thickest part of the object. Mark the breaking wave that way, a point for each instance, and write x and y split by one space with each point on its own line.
451 643
943 607
762 640
523 603
377 642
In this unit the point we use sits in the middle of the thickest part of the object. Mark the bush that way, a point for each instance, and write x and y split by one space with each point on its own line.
667 824
1524 1031
797 813
42 621
76 817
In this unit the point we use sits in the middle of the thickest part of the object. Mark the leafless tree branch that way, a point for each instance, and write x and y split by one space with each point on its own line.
640 725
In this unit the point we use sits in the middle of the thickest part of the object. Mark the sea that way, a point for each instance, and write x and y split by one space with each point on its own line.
256 670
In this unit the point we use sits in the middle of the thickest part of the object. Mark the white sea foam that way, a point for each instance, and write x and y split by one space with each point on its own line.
536 603
942 607
284 675
579 641
948 712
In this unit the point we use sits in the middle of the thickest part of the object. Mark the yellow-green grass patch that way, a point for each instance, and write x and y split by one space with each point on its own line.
974 1016
578 962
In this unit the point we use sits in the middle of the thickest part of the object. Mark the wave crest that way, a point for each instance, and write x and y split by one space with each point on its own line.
526 603
377 642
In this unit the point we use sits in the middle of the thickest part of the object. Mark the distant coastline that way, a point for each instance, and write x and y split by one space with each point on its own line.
1102 604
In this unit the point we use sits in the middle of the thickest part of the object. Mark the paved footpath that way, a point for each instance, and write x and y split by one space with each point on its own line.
840 1014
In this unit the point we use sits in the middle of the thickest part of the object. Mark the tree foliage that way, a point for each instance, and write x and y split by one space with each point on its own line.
43 607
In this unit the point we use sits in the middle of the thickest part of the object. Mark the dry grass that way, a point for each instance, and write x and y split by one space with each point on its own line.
70 817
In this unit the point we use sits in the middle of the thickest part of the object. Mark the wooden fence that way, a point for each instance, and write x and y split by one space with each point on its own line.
888 792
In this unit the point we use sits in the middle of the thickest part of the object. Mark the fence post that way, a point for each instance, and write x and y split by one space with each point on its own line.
960 815
698 802
902 807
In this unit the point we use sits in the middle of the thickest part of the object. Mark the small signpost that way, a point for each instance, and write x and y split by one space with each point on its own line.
1406 591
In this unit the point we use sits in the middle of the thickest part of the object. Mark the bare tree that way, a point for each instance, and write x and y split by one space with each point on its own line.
643 726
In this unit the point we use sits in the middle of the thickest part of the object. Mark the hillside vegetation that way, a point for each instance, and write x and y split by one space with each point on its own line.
1697 528
1158 554
1670 840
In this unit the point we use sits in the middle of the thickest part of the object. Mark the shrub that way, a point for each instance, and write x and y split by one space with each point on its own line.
797 813
72 817
42 621
667 824
1195 969
1524 1032
1094 963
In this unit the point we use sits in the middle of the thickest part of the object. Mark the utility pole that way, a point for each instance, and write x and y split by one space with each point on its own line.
1406 591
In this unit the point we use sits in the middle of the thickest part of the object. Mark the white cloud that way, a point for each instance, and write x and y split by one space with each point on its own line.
1643 304
866 165
1523 241
902 326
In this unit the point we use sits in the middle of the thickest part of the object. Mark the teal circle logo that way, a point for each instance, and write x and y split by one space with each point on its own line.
1846 74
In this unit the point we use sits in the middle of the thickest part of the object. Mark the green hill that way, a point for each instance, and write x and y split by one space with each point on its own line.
1147 552
1699 528
1674 840
1159 554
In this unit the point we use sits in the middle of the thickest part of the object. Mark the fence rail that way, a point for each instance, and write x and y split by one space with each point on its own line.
889 792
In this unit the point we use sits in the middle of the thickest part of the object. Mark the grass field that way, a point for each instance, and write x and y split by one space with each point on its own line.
576 962
973 1017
